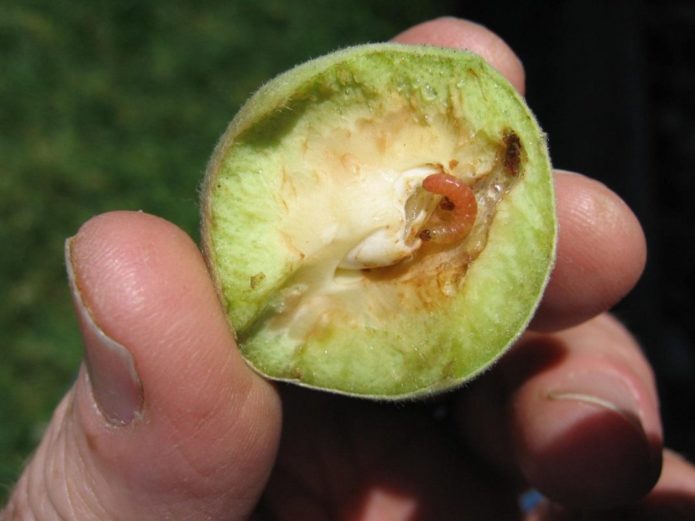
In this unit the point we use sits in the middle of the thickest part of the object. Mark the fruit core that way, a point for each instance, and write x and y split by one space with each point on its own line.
438 207
391 238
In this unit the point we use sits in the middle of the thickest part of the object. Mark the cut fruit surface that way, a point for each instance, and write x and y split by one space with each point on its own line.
380 221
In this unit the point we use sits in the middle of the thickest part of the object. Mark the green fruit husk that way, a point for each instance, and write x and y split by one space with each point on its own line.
281 203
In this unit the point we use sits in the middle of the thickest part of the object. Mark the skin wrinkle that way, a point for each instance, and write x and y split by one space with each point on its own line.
68 487
221 401
27 489
126 266
209 475
590 215
33 486
588 261
63 502
119 266
174 500
597 215
185 334
80 460
255 434
51 471
191 461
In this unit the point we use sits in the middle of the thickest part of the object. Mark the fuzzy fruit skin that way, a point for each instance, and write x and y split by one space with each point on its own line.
416 353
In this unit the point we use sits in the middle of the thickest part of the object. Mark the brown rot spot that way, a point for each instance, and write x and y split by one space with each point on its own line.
453 164
512 152
256 280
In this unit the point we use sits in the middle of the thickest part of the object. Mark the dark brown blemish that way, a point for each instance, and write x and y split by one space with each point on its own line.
256 280
512 152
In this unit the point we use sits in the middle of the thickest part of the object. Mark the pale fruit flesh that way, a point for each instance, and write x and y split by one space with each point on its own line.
324 242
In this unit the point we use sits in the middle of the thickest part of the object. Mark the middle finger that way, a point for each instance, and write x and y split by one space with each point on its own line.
575 414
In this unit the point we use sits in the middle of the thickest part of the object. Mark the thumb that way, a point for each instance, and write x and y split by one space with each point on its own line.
165 421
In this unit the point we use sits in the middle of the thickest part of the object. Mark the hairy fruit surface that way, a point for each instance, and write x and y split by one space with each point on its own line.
380 221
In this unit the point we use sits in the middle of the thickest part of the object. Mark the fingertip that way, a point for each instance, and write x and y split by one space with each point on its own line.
601 253
583 452
586 428
462 34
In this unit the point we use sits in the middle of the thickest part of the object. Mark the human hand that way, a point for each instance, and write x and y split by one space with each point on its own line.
165 421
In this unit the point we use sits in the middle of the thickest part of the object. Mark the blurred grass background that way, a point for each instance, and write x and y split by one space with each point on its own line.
111 105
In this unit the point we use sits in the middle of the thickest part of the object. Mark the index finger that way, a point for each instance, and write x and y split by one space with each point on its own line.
601 253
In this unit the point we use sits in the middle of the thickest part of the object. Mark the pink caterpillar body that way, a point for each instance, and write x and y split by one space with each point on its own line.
458 209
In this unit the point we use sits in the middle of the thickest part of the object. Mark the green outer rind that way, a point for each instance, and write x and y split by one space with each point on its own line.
275 95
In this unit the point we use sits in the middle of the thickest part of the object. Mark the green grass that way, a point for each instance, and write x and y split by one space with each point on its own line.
117 105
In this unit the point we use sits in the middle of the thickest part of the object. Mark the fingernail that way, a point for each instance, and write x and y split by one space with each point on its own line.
602 391
114 380
600 436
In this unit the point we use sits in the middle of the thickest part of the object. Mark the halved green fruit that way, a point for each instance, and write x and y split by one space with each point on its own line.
314 219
